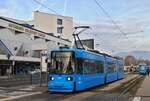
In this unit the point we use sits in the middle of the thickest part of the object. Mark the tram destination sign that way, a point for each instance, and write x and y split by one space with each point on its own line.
25 29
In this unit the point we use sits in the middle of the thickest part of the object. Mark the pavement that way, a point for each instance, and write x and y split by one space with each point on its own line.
118 83
36 93
143 93
12 93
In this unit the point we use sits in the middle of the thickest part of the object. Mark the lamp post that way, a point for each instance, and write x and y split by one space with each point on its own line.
13 66
10 66
43 65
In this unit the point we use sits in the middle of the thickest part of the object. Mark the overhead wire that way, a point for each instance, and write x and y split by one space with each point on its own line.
55 12
111 19
43 5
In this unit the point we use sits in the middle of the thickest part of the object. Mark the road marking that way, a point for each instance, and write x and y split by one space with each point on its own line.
30 88
20 96
137 99
1 91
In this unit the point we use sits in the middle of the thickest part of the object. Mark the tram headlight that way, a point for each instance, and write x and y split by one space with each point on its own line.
51 78
69 78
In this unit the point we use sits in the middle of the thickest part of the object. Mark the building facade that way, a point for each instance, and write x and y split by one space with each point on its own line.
21 43
50 23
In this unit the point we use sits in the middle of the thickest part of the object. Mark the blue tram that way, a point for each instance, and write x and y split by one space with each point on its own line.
142 69
77 69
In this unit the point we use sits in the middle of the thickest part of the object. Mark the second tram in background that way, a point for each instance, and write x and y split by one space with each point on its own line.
77 69
142 69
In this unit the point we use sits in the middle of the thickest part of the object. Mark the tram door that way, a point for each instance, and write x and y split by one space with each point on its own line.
79 76
87 76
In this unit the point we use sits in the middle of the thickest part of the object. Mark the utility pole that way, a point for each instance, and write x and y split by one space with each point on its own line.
13 66
10 66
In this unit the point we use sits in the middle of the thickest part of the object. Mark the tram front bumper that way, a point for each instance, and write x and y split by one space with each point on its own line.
60 86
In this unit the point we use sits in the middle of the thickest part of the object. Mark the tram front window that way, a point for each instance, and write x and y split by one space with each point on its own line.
62 63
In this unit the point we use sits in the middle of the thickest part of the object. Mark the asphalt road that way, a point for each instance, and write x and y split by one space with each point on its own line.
124 92
81 96
118 94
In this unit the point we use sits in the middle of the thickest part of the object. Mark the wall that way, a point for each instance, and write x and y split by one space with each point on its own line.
48 23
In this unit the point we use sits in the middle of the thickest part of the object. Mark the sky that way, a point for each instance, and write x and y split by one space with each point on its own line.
132 17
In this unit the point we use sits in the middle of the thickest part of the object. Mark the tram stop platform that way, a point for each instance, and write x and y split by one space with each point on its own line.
115 84
143 93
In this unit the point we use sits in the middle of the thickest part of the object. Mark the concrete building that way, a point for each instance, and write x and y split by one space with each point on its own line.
59 25
22 43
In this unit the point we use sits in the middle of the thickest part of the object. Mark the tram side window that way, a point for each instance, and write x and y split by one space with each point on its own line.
80 66
99 67
92 67
120 67
86 67
111 67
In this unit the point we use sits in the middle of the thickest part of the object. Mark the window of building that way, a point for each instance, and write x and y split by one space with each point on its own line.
59 30
59 21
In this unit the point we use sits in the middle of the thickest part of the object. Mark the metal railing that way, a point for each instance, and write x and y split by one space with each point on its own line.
24 79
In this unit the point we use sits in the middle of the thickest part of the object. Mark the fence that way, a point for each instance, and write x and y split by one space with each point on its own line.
28 79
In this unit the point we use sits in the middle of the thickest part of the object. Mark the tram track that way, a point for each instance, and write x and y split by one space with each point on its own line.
131 84
128 88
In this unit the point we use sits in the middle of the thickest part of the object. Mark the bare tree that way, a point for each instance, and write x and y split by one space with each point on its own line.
130 60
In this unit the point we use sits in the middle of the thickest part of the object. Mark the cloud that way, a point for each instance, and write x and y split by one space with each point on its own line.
111 39
18 9
131 16
4 11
